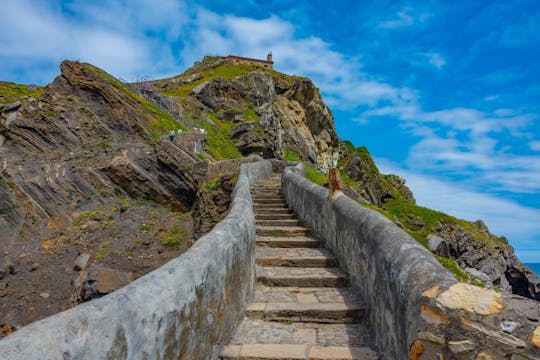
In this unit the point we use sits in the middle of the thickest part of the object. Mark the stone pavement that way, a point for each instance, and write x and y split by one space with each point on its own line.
303 307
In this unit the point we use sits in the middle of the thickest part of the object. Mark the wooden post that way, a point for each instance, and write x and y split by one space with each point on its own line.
335 186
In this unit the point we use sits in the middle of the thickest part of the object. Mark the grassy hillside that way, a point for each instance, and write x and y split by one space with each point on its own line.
11 92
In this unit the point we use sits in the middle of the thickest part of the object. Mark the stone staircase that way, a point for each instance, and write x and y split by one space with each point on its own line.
303 307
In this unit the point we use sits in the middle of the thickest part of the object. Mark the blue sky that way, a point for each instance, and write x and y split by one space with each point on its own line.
443 93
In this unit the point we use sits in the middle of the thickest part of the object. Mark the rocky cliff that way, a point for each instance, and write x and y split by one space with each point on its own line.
73 161
92 190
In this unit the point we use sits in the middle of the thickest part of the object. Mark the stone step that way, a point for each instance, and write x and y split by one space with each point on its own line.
296 352
282 231
300 276
288 242
302 257
268 200
269 195
297 312
278 202
269 206
265 192
258 339
266 188
274 216
321 295
267 211
278 222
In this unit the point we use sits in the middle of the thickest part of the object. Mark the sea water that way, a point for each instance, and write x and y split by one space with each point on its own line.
535 267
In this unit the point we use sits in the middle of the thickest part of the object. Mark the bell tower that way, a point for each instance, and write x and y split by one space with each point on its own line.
269 56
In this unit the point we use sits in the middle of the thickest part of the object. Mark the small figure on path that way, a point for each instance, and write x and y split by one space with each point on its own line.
171 135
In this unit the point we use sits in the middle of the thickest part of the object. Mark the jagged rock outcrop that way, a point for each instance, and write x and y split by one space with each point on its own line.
360 167
490 255
291 115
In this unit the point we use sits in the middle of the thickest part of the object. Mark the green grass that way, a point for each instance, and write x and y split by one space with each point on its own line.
451 265
174 237
102 250
315 176
11 92
219 143
160 122
225 71
96 215
213 185
290 156
250 114
311 174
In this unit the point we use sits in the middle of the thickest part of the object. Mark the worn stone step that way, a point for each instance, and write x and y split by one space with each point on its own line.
267 188
296 352
274 216
267 211
269 201
266 192
278 202
267 195
304 257
300 312
288 242
257 207
300 276
282 231
278 222
306 295
333 337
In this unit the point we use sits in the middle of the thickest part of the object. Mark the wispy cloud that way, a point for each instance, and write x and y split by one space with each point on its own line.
340 77
534 145
405 17
436 59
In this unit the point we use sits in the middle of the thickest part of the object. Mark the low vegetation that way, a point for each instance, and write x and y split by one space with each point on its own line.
11 92
311 173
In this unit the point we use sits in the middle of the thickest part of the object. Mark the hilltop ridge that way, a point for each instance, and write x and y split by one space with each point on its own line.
88 153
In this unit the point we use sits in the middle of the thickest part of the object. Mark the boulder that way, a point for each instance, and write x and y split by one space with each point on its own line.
81 262
102 281
438 245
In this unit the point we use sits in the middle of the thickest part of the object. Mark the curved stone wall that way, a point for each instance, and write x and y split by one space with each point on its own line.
416 308
182 310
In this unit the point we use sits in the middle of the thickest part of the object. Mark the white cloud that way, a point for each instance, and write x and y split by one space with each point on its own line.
404 18
504 217
436 60
340 78
534 145
119 38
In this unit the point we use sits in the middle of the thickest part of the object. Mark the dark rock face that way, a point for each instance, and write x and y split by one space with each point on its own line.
494 259
399 185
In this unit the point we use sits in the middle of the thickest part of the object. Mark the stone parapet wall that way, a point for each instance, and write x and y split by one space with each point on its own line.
184 309
415 307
